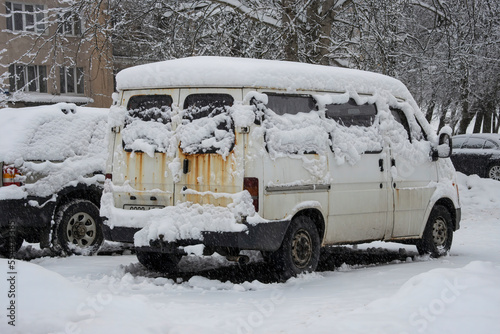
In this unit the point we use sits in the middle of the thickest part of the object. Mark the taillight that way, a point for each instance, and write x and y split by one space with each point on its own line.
108 176
251 184
9 175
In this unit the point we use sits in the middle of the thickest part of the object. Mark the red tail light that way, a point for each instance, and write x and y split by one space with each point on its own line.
9 175
108 176
251 184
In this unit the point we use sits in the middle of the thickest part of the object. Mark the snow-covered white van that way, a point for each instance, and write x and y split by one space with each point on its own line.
284 158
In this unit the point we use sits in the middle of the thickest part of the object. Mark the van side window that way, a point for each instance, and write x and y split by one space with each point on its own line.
148 125
349 114
292 104
149 108
400 117
207 126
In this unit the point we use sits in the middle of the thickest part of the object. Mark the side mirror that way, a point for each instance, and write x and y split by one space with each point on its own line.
444 148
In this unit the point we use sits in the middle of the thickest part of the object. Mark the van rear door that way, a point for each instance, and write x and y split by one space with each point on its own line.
148 143
210 150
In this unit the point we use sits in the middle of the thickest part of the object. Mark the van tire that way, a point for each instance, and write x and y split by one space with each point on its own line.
9 244
78 228
164 263
299 251
438 233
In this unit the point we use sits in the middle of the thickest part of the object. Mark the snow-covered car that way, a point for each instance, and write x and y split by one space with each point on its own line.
477 153
284 158
52 160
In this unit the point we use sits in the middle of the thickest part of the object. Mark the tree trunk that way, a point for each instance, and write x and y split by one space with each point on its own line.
290 35
479 122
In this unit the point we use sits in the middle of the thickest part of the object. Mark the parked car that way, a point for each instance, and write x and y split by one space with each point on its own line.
52 160
477 153
280 157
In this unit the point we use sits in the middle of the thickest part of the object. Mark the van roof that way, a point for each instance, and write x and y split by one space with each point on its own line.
255 73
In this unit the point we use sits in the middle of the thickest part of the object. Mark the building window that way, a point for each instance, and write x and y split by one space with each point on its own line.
70 24
72 80
25 17
28 78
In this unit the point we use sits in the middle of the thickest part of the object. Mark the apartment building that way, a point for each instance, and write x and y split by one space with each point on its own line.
48 55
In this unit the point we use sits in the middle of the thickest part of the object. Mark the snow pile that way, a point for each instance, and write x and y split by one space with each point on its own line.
56 145
295 134
477 193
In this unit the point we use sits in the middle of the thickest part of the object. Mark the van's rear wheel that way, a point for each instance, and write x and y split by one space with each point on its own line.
165 263
438 233
300 249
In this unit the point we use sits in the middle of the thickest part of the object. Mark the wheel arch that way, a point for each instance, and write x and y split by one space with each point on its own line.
91 193
450 206
317 218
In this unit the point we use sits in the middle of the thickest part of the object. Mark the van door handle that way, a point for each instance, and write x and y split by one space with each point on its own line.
185 166
381 164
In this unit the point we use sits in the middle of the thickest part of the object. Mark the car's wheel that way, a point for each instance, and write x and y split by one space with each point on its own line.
438 233
10 243
165 263
78 228
494 172
299 251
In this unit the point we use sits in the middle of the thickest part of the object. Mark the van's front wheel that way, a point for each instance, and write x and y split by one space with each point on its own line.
438 233
300 249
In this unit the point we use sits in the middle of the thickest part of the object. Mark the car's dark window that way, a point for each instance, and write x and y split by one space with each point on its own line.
489 144
474 143
156 108
458 142
283 104
207 126
349 114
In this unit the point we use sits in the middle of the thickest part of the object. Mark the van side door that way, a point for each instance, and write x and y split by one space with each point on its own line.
412 173
360 195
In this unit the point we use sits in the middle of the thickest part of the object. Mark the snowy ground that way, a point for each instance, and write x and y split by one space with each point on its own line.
388 291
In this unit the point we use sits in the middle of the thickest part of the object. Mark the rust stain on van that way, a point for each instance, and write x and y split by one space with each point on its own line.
209 172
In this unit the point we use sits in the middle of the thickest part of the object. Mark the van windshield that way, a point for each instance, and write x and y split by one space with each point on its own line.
207 126
148 124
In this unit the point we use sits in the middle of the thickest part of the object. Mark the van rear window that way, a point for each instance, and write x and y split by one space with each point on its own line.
148 125
349 114
156 108
207 126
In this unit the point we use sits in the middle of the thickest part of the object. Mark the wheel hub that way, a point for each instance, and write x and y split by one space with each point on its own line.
439 232
81 229
495 173
301 248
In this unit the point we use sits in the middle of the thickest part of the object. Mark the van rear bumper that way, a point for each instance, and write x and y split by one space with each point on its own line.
263 237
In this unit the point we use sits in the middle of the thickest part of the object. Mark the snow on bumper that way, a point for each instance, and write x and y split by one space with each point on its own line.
187 221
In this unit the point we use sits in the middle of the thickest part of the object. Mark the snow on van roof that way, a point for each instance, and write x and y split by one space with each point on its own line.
255 73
